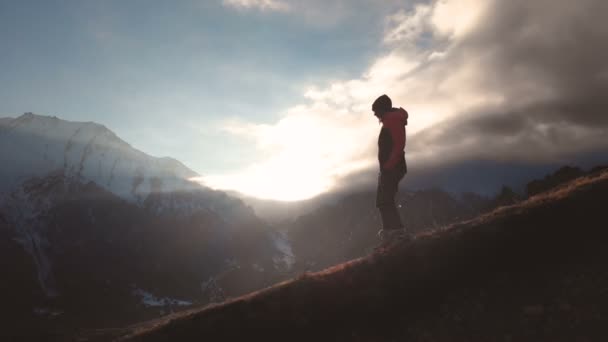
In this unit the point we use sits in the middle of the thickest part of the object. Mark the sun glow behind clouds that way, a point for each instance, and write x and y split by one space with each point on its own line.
283 185
315 145
307 151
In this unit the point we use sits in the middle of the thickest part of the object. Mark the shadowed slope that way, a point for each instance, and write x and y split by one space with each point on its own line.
531 271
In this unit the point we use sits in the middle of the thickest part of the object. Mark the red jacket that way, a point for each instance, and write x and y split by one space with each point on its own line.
391 141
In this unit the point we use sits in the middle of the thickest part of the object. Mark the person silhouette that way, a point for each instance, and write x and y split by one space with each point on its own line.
393 167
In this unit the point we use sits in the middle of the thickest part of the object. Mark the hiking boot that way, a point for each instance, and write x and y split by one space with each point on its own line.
387 235
390 237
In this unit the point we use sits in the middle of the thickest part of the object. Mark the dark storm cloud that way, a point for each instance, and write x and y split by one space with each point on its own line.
549 61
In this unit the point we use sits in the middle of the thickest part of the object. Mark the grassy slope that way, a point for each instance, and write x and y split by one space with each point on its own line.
532 271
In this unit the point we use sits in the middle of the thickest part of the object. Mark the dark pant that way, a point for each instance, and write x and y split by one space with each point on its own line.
388 183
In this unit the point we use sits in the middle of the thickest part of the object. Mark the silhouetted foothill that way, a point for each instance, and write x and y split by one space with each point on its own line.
506 197
563 175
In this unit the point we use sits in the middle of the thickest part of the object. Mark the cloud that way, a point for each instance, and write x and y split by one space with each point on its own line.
269 5
505 81
544 60
408 27
324 14
457 18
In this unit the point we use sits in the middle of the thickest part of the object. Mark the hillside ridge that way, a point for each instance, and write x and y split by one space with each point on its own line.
396 291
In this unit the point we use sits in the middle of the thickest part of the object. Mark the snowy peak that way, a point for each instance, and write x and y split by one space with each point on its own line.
35 146
74 197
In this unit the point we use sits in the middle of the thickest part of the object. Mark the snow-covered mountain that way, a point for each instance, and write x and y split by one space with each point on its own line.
93 215
34 146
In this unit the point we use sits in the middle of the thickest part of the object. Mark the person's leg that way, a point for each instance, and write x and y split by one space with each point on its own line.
385 200
385 217
391 217
395 212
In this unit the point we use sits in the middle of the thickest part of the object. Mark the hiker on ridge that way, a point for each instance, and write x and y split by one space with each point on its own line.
391 157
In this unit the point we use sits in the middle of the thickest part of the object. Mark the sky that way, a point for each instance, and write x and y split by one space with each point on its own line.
272 98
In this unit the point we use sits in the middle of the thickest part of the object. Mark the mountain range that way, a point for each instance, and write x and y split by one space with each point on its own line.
96 233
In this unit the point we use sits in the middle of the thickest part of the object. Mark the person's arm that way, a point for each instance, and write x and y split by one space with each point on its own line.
397 130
